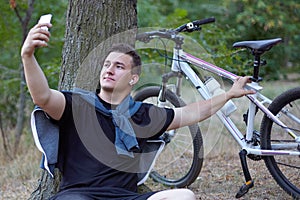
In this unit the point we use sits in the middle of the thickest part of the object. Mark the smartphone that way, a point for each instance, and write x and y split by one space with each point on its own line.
45 19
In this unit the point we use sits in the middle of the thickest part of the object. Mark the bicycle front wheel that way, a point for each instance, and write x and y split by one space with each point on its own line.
181 161
283 168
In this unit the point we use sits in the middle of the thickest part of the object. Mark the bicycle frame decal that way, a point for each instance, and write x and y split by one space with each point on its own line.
208 66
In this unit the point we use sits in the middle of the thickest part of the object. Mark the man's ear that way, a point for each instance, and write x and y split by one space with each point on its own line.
134 79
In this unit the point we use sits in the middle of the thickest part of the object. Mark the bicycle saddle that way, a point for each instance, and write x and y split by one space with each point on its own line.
258 46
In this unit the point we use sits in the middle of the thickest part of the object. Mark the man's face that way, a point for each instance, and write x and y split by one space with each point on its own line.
116 72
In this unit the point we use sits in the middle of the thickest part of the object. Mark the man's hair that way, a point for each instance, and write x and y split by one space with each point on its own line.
128 50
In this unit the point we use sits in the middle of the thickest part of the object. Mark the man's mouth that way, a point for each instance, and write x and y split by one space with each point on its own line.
108 78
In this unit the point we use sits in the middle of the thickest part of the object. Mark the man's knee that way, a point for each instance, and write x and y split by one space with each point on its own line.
180 194
188 194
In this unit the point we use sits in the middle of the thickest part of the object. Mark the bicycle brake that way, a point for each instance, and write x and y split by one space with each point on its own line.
244 189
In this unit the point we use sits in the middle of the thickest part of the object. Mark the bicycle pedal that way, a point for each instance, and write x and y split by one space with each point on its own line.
244 189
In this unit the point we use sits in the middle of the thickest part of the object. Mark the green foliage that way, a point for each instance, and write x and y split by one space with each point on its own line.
236 21
260 19
11 42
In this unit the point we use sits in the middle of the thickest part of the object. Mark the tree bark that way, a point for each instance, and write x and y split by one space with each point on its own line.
91 27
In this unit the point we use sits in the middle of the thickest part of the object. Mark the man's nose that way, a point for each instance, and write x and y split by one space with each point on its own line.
110 69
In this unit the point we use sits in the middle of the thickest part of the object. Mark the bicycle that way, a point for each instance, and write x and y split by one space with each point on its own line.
277 142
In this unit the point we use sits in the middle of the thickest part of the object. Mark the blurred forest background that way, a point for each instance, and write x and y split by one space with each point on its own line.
236 20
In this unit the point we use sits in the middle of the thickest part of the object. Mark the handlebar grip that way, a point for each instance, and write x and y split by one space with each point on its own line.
204 21
191 25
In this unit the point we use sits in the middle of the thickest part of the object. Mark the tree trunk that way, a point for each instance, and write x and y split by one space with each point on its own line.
22 97
21 108
91 27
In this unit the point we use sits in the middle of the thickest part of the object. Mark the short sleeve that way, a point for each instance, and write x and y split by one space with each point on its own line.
151 121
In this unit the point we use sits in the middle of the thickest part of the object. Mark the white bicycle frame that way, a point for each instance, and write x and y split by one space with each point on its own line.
180 64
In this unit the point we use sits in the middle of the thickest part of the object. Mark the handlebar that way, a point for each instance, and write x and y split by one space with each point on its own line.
172 33
194 25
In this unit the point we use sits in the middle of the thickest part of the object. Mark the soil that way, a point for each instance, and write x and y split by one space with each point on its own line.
222 176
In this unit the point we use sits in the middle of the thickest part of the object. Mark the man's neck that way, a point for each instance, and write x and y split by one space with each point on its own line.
112 98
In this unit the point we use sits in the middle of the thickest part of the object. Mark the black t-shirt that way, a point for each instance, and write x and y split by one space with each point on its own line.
87 155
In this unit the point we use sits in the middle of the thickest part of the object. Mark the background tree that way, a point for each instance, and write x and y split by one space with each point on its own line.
88 25
16 18
260 19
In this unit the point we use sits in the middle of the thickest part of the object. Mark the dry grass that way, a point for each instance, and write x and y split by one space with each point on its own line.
19 176
220 178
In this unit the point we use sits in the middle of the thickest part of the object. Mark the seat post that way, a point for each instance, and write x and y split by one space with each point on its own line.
256 66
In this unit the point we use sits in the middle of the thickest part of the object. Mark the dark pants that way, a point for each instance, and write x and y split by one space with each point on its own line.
89 193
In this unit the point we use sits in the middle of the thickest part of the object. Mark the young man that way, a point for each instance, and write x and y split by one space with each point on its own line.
102 134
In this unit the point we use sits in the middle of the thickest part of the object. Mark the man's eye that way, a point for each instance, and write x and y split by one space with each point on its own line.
120 67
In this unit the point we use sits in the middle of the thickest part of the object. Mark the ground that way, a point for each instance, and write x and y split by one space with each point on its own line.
220 178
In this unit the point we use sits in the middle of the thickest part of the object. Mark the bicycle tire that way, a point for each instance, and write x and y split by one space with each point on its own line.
183 167
284 169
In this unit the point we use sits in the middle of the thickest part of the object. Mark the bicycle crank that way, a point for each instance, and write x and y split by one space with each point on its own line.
249 182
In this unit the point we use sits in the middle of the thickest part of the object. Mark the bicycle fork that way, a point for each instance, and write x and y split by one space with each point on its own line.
165 79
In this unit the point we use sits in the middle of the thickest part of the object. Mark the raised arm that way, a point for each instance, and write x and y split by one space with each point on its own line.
51 101
201 110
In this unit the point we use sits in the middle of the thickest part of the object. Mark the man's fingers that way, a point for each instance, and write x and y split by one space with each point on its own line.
250 92
39 37
43 37
40 25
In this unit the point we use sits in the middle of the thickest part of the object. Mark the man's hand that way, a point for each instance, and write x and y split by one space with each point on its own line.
237 90
37 37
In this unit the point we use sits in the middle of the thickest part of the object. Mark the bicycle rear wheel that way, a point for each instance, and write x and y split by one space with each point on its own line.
181 160
283 168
